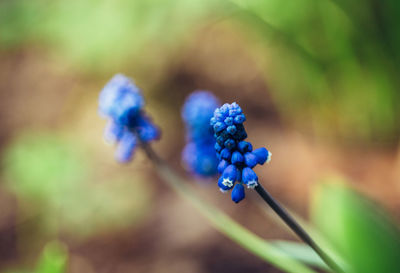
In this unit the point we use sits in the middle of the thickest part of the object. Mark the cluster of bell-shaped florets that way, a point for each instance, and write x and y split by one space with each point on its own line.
199 156
122 103
237 157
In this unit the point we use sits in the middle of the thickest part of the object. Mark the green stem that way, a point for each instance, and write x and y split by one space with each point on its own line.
223 222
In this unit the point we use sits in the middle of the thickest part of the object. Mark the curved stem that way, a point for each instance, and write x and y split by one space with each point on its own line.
223 222
295 227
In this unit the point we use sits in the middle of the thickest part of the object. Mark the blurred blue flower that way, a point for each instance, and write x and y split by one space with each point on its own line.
120 100
122 103
200 159
236 156
199 154
126 147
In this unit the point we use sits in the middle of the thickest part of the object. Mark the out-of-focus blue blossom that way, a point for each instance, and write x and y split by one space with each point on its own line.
200 159
196 113
236 156
120 100
113 132
146 129
126 147
122 103
199 153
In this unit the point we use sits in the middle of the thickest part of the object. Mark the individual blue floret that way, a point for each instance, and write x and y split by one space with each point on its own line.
249 177
113 132
237 157
262 155
199 153
222 186
250 159
146 130
222 165
230 175
126 147
121 102
238 193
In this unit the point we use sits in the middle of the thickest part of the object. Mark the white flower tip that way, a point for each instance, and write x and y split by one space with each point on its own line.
269 157
227 182
252 184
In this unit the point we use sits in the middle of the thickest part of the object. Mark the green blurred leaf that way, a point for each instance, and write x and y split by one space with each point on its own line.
362 232
55 178
44 165
325 69
53 259
295 249
300 252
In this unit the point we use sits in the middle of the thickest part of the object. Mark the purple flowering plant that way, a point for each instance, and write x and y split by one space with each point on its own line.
216 143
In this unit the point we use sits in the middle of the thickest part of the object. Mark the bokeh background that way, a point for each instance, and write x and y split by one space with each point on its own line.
318 80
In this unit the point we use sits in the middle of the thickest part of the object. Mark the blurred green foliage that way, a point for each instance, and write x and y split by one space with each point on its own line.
301 252
44 165
54 177
332 66
366 237
53 259
99 34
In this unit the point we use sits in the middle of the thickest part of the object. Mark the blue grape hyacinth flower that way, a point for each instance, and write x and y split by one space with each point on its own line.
236 156
122 103
199 155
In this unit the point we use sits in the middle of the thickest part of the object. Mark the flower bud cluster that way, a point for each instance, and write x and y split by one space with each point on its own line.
236 156
122 103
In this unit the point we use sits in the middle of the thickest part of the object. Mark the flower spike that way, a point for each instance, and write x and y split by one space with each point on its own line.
122 103
199 155
237 160
237 157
